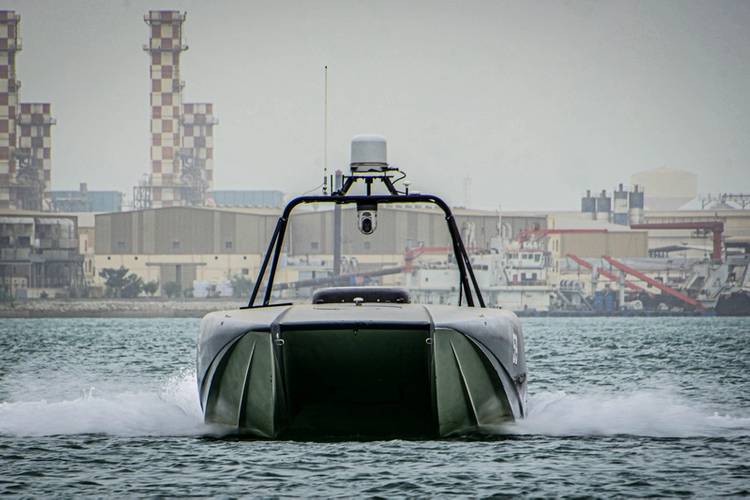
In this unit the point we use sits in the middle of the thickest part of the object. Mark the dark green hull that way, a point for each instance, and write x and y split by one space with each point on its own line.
371 371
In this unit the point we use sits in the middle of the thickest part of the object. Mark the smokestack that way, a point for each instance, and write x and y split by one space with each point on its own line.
9 45
164 48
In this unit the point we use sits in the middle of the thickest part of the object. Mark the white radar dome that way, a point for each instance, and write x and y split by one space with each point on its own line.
368 153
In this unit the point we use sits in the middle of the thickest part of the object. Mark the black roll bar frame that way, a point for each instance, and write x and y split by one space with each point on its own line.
466 272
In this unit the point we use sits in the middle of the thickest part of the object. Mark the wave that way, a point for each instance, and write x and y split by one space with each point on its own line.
640 413
171 410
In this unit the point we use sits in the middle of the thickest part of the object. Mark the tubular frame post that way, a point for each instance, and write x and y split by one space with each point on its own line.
457 251
275 263
470 271
467 278
262 270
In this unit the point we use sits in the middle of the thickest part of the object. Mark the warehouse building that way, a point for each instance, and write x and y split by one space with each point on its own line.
187 244
402 227
183 244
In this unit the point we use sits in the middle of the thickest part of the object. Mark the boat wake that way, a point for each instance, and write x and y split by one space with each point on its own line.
171 410
639 413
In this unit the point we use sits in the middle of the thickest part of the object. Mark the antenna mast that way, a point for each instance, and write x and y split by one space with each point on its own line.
325 130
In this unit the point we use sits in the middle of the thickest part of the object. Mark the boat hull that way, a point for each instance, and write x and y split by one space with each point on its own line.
354 373
736 303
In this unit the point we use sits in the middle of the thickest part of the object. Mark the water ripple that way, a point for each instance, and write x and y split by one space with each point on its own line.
618 407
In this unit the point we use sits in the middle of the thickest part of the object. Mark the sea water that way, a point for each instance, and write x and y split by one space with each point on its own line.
618 406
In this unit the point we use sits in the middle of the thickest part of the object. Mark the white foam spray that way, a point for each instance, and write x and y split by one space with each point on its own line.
171 410
640 413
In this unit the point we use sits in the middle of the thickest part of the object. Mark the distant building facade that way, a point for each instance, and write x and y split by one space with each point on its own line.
39 255
187 244
84 200
229 198
183 244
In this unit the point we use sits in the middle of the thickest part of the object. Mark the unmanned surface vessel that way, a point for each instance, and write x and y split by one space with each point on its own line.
362 361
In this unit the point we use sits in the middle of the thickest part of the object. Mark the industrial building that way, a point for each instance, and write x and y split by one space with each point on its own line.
656 257
259 198
697 238
85 200
686 226
86 239
185 244
596 243
191 245
627 208
181 152
725 201
398 228
25 131
39 255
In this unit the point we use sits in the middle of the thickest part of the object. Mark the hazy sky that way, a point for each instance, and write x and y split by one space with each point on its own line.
534 101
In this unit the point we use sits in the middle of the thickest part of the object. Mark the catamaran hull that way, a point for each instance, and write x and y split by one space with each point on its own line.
355 376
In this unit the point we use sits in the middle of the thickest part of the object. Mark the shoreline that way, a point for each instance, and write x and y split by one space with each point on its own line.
117 308
197 308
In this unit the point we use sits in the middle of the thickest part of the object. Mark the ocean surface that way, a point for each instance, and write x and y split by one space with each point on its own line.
618 406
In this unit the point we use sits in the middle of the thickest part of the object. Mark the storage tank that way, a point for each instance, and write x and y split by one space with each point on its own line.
667 188
603 206
588 204
635 212
620 211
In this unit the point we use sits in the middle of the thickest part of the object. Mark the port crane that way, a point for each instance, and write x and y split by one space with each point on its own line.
655 283
610 276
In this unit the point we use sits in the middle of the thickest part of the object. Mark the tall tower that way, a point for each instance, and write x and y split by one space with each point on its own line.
25 131
197 152
181 134
10 43
165 186
33 156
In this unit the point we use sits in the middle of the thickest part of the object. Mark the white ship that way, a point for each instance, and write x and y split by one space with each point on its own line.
511 277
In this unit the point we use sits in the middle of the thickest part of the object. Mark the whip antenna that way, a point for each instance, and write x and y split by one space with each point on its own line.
325 130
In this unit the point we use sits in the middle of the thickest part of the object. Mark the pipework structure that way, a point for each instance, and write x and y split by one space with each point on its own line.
181 134
25 131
